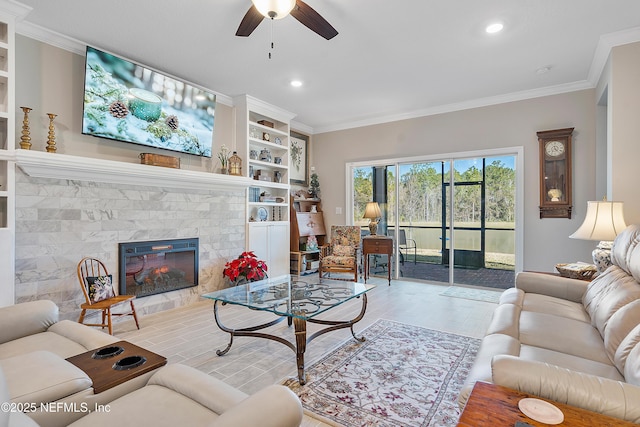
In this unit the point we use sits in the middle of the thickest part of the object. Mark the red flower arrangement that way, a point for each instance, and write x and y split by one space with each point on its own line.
247 266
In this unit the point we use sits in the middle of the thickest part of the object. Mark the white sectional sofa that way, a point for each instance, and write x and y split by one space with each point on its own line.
33 371
571 341
33 347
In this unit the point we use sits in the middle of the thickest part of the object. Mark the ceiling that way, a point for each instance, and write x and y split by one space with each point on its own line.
390 60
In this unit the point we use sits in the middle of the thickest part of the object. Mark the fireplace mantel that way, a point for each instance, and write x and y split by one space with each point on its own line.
62 166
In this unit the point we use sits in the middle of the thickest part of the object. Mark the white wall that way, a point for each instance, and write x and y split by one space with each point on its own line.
624 127
546 241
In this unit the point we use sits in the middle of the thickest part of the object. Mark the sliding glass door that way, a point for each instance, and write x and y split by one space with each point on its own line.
452 220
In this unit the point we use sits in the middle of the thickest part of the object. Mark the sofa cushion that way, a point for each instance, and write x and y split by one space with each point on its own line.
626 346
563 335
575 363
162 407
41 377
618 329
607 294
65 338
555 306
632 367
9 418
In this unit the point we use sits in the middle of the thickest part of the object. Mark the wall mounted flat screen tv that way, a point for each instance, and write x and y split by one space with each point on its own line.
127 102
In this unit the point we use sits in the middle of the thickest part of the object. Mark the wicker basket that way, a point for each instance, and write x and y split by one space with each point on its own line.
579 271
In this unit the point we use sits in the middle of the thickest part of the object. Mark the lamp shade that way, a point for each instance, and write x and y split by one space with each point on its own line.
372 211
274 9
603 222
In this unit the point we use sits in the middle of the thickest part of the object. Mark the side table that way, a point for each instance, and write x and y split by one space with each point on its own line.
377 245
496 406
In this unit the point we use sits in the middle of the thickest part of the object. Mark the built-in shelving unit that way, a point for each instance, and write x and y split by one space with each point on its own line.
262 141
9 11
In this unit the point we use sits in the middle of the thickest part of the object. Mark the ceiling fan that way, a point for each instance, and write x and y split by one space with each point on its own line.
278 9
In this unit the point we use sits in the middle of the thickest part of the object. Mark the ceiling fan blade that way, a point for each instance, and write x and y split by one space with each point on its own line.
249 23
312 20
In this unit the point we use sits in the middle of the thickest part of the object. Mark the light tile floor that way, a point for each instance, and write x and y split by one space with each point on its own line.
189 335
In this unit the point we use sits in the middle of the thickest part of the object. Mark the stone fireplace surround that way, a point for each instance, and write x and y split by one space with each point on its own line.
68 207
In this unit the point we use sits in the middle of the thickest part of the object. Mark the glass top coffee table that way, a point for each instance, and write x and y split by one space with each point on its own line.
295 300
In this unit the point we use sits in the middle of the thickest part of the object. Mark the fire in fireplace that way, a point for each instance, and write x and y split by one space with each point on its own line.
153 267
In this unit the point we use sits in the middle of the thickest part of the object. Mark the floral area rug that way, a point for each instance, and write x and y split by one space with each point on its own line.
402 375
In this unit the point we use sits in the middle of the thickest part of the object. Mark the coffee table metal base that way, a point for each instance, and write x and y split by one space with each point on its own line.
300 326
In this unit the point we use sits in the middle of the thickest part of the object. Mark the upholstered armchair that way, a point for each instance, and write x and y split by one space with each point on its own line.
341 254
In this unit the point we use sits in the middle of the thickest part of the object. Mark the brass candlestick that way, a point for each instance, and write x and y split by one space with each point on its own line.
51 142
25 139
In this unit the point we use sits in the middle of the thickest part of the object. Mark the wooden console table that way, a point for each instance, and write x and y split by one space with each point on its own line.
496 406
377 245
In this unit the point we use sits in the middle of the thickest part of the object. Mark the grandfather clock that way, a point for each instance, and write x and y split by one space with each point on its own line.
555 173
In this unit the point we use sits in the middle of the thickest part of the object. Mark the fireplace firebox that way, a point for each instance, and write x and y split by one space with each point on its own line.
153 267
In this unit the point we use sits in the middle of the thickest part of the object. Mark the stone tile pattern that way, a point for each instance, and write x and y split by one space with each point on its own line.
60 221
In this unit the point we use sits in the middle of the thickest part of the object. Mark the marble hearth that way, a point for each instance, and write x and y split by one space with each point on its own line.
69 207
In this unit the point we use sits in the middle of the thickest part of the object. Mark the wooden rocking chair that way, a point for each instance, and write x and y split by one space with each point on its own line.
89 271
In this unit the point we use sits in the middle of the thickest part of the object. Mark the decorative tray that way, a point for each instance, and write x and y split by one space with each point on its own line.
577 270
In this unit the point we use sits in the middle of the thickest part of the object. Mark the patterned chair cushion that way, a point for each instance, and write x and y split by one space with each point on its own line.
339 261
345 235
343 251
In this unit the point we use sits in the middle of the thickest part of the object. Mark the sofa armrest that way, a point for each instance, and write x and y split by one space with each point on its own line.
609 397
27 318
273 406
208 391
551 285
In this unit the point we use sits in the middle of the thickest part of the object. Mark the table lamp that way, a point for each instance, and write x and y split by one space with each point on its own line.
603 222
372 211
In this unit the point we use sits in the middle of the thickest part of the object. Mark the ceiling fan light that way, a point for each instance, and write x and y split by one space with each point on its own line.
274 9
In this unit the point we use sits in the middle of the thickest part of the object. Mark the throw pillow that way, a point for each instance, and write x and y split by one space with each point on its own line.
100 288
343 250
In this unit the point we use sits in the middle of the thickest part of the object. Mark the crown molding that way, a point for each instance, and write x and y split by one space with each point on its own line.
466 105
605 44
301 127
14 8
53 38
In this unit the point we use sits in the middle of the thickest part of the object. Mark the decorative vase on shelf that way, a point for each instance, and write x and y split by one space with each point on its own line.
224 171
265 155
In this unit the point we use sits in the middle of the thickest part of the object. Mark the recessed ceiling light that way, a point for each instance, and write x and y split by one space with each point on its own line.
494 28
296 83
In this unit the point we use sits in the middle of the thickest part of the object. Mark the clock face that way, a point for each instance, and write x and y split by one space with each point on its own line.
554 148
